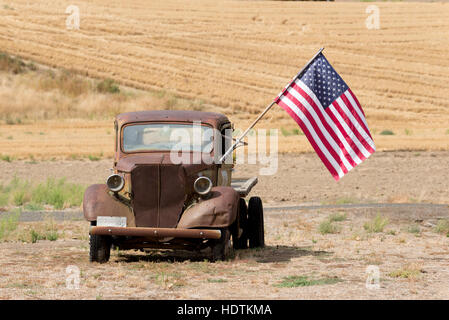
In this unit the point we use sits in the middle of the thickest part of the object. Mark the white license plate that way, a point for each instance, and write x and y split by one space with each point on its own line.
104 221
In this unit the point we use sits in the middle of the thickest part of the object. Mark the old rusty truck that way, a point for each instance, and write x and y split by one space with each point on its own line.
167 191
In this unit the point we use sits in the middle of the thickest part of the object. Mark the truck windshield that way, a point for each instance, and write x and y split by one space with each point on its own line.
168 137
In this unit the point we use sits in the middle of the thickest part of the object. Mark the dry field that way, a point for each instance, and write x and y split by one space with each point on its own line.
227 56
305 258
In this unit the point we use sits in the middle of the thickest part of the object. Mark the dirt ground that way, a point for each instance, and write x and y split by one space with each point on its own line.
412 265
411 256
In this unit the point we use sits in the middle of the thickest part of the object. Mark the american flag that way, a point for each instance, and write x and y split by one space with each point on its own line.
330 116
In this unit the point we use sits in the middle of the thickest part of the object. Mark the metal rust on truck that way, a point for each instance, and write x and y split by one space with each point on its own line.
151 201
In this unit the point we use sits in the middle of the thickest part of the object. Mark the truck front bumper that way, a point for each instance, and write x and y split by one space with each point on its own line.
157 232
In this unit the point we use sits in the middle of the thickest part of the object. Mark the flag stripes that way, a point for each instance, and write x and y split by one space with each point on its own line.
338 133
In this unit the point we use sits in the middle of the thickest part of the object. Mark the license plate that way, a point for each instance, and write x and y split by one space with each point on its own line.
104 221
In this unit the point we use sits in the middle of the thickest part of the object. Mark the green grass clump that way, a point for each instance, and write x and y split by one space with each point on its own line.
57 193
6 158
8 224
93 158
376 225
337 217
297 132
31 206
4 199
328 226
415 229
19 197
217 280
48 233
35 236
442 226
304 281
387 133
285 132
341 201
409 272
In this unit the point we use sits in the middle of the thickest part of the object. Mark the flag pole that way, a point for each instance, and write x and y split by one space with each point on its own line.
239 139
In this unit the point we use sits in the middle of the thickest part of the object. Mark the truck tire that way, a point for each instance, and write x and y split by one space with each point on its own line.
242 241
221 249
100 248
256 231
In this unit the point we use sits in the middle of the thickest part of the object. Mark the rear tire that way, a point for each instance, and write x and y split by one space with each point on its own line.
256 231
222 248
242 241
100 248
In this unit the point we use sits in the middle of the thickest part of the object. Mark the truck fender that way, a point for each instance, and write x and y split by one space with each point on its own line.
219 210
98 202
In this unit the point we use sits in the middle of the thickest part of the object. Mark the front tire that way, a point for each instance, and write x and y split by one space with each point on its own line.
256 230
222 248
100 248
242 241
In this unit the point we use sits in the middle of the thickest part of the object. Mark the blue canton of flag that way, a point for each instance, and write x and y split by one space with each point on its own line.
322 79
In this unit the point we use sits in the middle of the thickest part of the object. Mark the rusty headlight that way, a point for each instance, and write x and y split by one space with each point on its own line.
115 182
202 185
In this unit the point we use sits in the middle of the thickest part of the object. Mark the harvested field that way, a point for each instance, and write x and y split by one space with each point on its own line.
235 56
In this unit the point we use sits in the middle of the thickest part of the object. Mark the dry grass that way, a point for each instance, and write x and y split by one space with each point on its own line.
230 57
39 93
411 271
292 266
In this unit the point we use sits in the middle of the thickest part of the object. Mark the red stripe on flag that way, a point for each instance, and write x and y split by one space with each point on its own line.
319 112
355 114
352 127
348 139
360 108
310 138
317 130
356 101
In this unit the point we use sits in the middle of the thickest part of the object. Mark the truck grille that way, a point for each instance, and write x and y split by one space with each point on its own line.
158 195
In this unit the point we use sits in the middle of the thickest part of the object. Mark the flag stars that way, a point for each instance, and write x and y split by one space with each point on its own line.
322 79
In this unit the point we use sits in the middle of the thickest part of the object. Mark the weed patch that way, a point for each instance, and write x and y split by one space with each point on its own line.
305 281
376 225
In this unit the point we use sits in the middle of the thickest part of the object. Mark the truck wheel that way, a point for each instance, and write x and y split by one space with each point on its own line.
242 242
221 249
100 248
255 228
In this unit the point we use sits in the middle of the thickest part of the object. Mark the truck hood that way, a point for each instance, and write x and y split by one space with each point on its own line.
128 163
